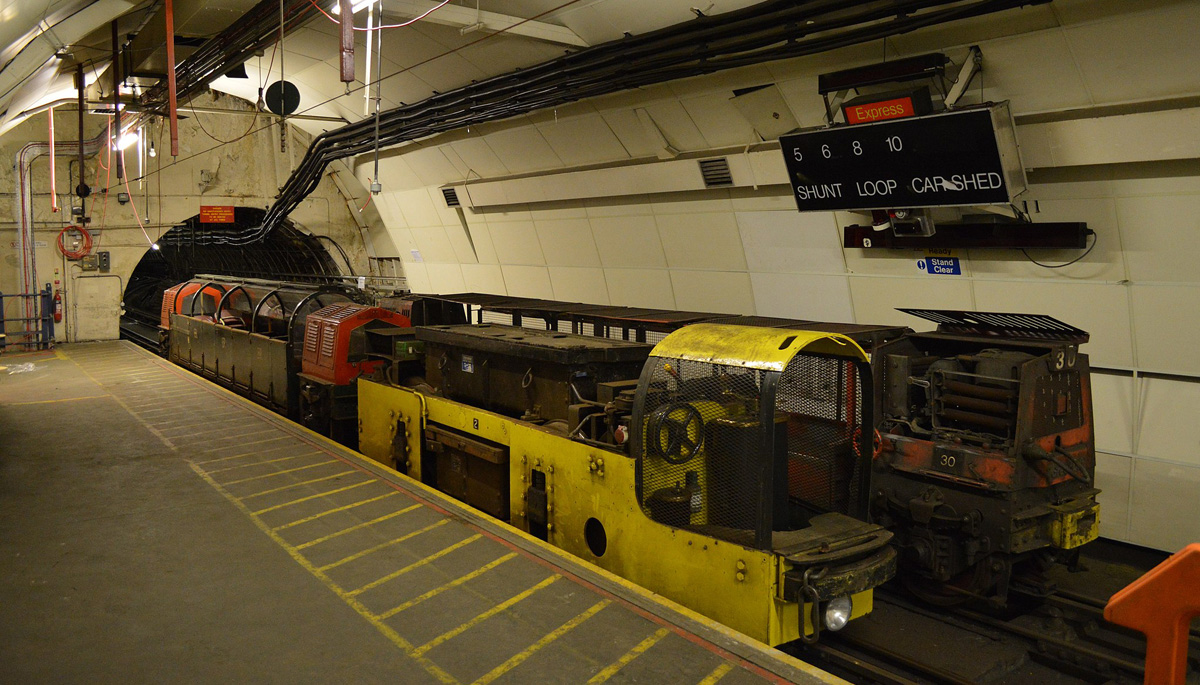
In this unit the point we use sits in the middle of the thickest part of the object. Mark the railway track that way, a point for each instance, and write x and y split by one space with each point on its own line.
1062 640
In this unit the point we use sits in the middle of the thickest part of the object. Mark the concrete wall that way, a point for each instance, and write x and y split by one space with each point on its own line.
247 172
1105 95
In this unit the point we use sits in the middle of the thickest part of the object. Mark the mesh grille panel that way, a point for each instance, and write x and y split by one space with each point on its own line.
822 400
702 443
497 318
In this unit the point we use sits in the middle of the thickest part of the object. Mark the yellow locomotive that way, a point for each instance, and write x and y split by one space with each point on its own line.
726 468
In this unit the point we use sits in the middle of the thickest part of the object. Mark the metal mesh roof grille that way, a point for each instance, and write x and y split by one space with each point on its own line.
1031 326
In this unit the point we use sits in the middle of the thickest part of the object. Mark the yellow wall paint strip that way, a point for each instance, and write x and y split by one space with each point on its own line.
416 564
281 488
319 494
452 584
503 606
638 649
364 524
516 659
718 673
389 543
279 473
395 638
335 510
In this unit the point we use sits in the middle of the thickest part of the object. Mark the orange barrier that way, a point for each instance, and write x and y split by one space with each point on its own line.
1162 604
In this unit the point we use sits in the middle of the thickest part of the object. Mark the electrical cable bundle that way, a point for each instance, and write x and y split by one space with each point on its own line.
85 243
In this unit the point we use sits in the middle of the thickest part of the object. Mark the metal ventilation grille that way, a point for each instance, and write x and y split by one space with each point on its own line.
716 173
451 197
1033 326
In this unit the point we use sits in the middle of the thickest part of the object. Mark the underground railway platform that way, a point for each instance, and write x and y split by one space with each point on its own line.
156 527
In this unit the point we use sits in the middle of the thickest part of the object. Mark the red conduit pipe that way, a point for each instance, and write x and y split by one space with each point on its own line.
171 104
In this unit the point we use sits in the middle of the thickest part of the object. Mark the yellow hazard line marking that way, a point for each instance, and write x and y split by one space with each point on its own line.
243 444
335 510
55 401
452 584
256 453
503 606
638 649
364 524
405 646
319 494
260 463
516 659
718 673
296 485
389 543
416 564
279 473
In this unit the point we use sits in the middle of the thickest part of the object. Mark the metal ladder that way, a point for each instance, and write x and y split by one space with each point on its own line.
38 333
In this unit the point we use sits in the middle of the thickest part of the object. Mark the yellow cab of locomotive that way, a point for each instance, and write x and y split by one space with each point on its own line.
731 477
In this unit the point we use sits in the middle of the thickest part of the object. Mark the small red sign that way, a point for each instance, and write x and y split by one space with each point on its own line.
879 111
216 214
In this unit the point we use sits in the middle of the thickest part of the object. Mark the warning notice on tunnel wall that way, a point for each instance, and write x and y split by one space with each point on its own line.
940 262
216 214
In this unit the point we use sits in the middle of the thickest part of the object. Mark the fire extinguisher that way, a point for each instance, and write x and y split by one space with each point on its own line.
58 306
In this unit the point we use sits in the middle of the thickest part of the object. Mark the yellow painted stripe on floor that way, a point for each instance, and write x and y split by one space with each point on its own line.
319 494
516 659
389 543
242 455
278 473
56 401
405 646
416 564
452 584
718 673
335 510
451 634
260 463
296 485
242 444
632 654
364 524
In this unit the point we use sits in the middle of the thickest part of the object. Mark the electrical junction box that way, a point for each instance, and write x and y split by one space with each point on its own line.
90 262
102 261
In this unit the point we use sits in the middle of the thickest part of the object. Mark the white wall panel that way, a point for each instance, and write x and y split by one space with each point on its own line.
713 291
579 284
628 241
650 288
1167 327
1170 413
1100 309
403 240
1160 234
445 278
1034 85
567 242
481 161
803 296
701 241
433 244
582 140
1113 411
481 236
791 241
678 128
483 278
721 124
1164 505
1114 478
528 281
875 299
430 165
457 234
417 207
628 129
523 149
1140 56
516 242
418 277
894 263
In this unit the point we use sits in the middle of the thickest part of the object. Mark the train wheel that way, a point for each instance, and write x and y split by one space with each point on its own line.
966 586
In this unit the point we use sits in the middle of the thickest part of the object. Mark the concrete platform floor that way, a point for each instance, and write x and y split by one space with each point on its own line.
154 527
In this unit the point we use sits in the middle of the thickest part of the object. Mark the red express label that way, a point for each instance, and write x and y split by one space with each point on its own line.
879 111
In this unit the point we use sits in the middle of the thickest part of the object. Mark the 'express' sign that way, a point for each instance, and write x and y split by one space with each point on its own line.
879 111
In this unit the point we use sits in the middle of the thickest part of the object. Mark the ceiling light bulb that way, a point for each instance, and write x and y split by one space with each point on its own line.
152 152
153 246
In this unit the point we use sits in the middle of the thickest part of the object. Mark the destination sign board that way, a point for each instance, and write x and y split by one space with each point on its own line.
961 158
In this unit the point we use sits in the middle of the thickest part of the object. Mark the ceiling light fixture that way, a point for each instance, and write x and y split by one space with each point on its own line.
356 8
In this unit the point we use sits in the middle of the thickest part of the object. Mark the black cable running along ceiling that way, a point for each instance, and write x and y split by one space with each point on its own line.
773 30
